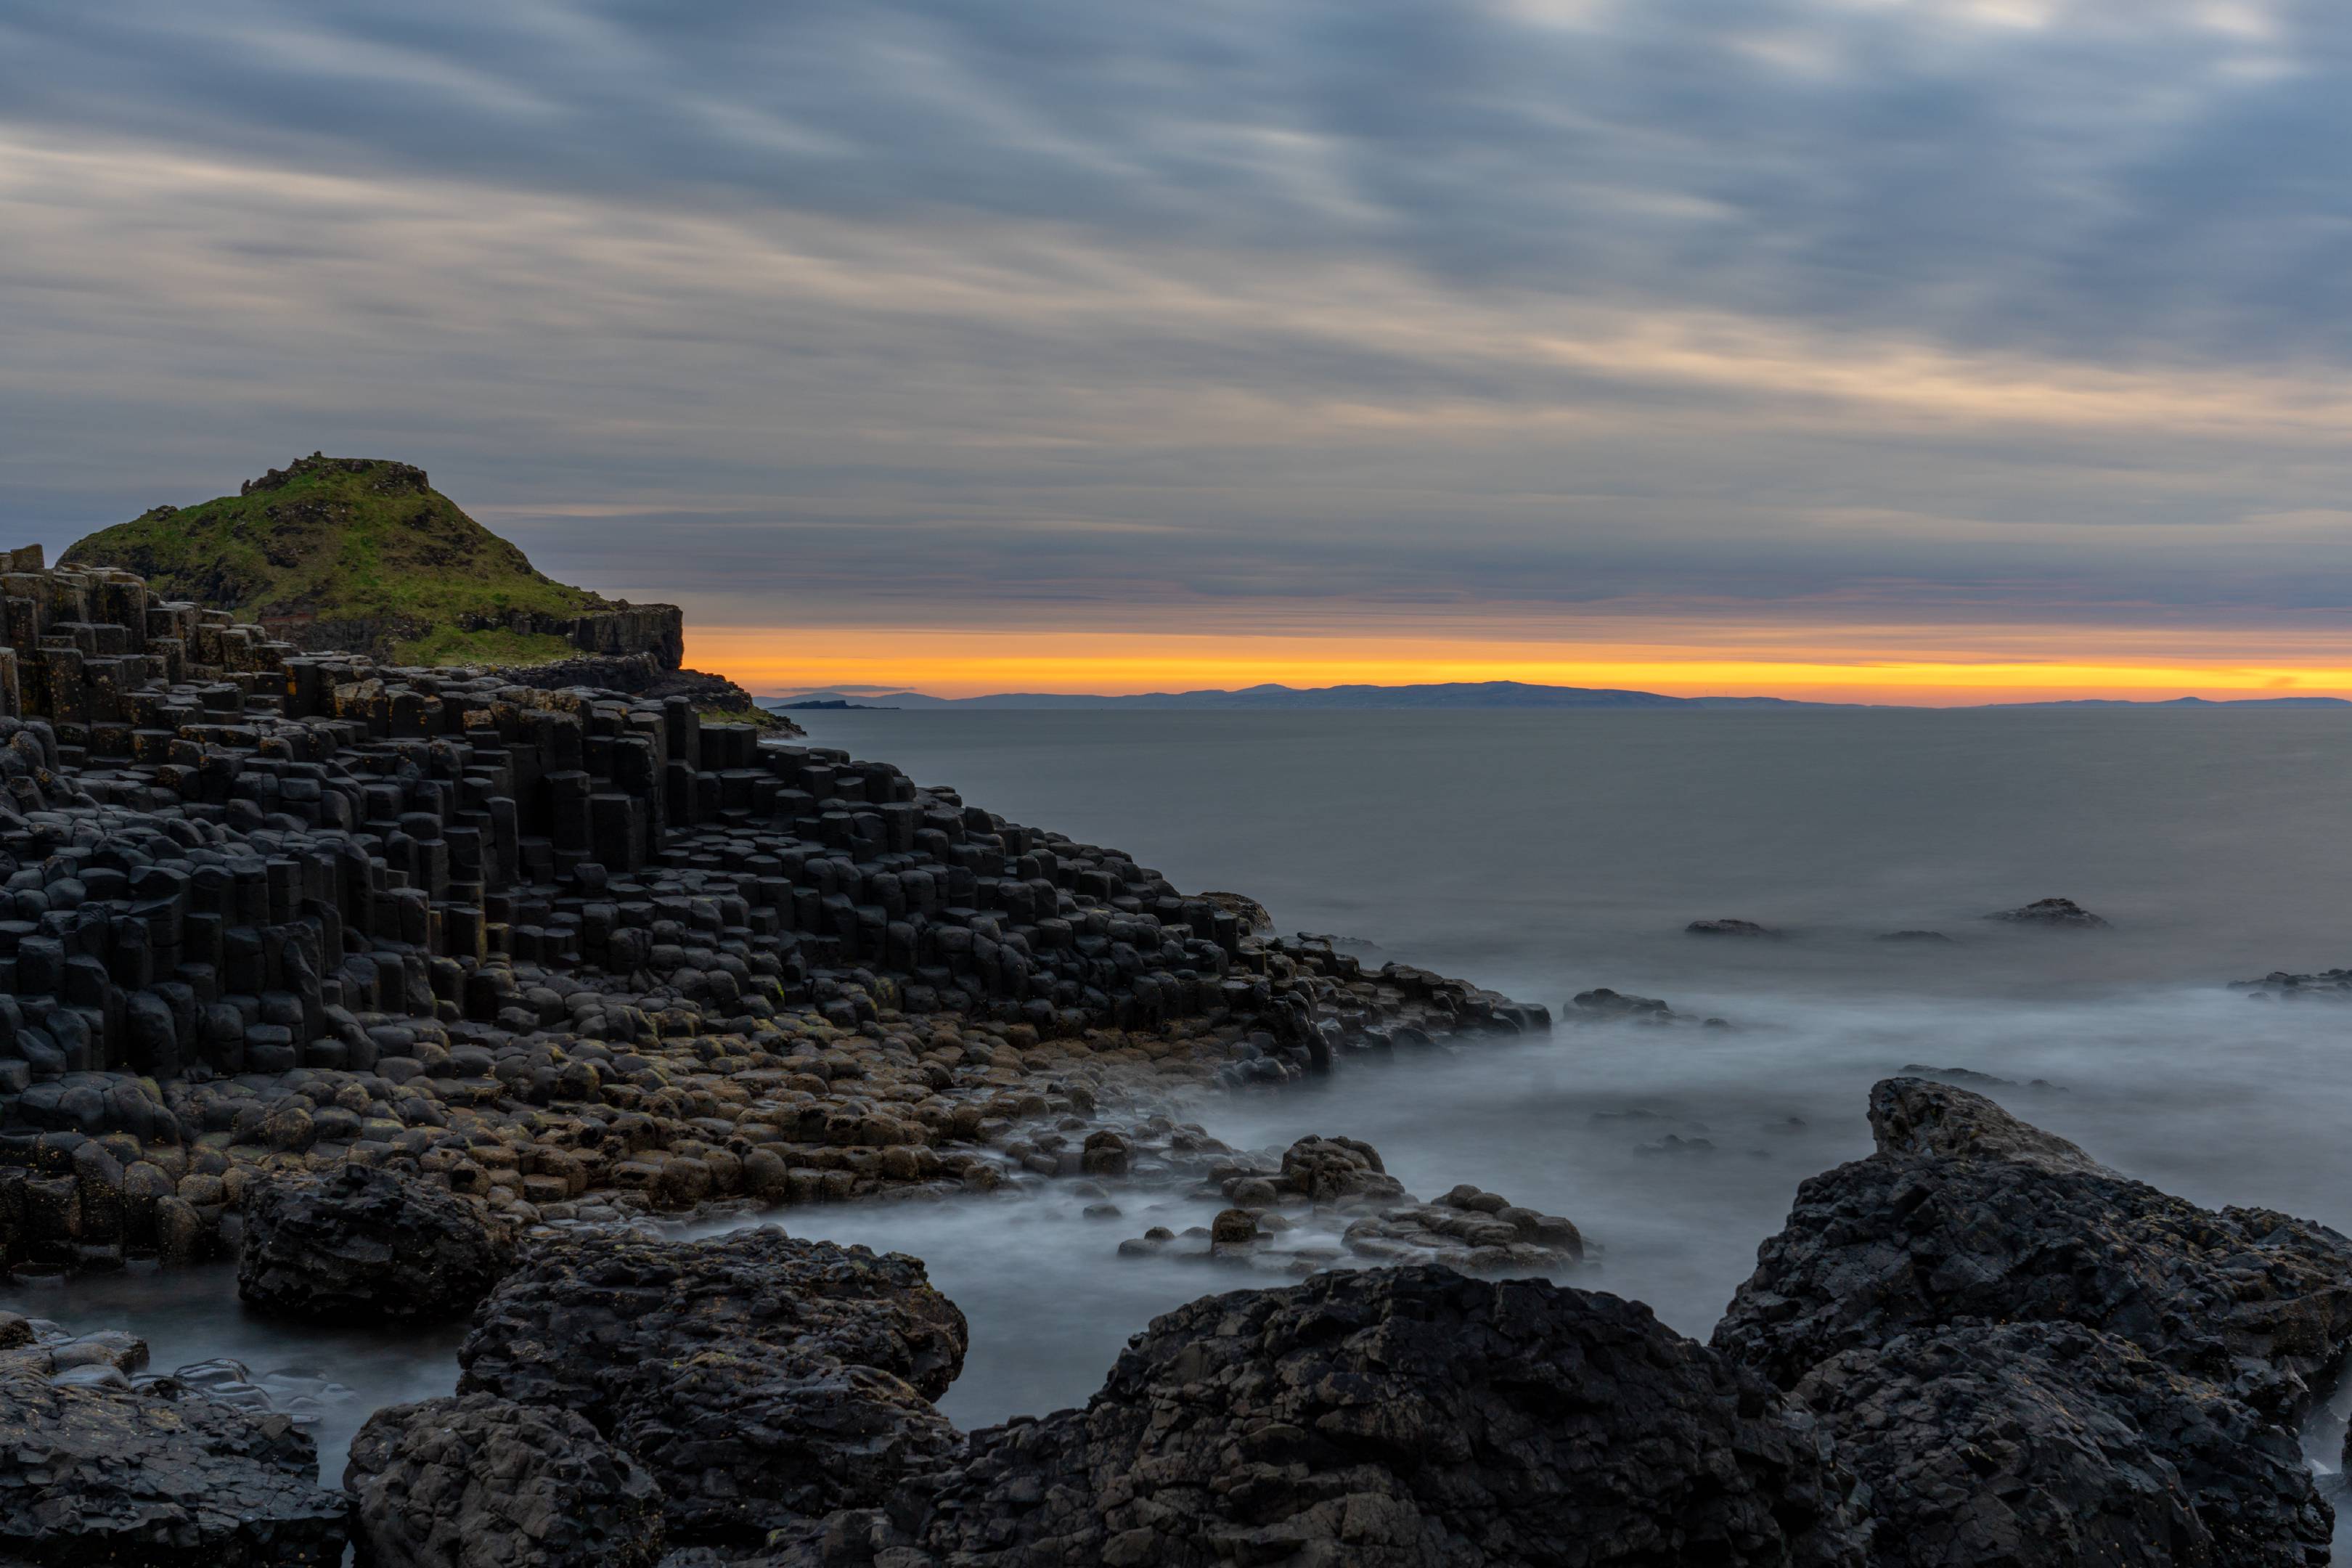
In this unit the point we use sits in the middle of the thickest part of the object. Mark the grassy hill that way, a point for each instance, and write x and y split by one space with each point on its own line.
351 552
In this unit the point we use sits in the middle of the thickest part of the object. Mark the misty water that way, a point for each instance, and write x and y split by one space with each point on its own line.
1544 854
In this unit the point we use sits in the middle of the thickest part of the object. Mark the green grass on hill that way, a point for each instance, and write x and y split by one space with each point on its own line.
338 539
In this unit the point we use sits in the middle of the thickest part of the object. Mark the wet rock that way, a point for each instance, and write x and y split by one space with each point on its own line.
1392 1419
1324 1170
1916 938
1967 1214
370 1244
1232 1227
453 1483
1728 928
1601 1002
101 1472
1251 914
2064 914
2008 1333
2053 1443
762 1379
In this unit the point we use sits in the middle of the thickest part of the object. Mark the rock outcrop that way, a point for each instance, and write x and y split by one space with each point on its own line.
475 1480
362 1244
1398 1418
762 1380
2059 914
557 949
97 1471
2003 1335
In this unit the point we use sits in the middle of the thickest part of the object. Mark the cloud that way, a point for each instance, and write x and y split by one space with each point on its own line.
1769 307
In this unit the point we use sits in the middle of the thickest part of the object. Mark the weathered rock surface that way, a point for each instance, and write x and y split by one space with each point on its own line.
1967 1214
761 1379
480 1482
2062 914
365 1243
103 1473
2049 1443
2034 1359
1398 1419
1728 928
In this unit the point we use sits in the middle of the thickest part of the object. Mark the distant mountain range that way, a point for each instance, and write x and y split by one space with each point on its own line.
1481 694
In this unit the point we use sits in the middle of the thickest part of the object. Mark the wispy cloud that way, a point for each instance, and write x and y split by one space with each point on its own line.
1765 309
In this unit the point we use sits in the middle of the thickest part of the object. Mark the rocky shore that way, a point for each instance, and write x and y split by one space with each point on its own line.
1976 1345
435 994
571 952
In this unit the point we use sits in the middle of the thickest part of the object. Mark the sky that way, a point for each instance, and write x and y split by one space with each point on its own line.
1909 350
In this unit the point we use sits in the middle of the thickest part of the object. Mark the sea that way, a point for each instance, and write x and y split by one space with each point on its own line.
1546 854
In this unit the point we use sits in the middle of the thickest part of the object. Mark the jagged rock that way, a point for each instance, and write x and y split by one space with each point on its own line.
2052 1444
2064 914
1251 914
2008 1334
100 1472
479 1482
762 1379
364 1243
1728 928
1967 1214
1396 1418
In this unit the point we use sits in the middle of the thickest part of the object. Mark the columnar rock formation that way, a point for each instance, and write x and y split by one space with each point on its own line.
271 909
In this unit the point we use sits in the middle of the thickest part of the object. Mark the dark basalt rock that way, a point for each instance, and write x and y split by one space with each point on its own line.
762 1379
2048 1443
1728 928
1605 1003
159 1477
1968 1214
450 1483
368 1244
1392 1418
2064 914
1923 938
2034 1360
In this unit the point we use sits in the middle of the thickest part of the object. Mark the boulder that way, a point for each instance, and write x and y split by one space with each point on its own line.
2049 1443
2062 914
1966 1214
1398 1419
2034 1361
367 1243
101 1472
479 1482
762 1379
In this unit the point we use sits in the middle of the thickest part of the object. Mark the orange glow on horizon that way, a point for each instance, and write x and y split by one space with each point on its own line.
961 662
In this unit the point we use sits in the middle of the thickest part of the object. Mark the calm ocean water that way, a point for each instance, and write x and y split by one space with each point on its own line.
1544 853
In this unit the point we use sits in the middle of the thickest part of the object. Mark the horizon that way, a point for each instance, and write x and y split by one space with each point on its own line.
1937 351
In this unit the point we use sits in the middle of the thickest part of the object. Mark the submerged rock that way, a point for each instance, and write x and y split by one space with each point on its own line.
1928 938
450 1483
2004 1334
1394 1419
1603 1003
760 1378
1728 928
2062 913
365 1243
101 1472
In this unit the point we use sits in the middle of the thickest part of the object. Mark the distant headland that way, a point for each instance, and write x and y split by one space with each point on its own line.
1464 695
